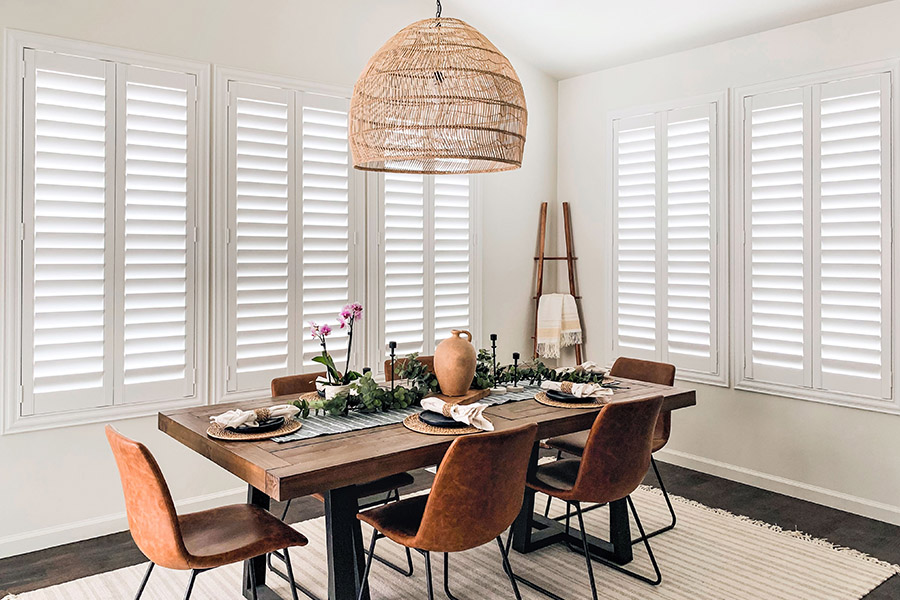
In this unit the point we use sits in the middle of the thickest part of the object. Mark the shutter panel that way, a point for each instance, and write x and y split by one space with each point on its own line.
854 235
776 269
261 176
635 262
452 254
326 226
68 206
157 165
690 262
404 262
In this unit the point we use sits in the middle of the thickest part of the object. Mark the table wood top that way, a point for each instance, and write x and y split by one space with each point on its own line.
299 468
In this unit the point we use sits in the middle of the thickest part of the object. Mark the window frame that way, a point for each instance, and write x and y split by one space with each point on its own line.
220 211
718 226
12 284
376 353
738 221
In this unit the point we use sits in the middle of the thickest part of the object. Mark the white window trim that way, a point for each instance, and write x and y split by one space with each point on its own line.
375 351
737 238
219 314
722 377
10 298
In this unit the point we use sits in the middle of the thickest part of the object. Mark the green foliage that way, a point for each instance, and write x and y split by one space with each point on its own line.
370 397
484 376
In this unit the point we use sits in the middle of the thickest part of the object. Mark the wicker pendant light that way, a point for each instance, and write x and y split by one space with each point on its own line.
438 97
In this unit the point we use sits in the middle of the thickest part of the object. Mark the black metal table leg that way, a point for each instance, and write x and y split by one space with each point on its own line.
257 564
346 559
523 525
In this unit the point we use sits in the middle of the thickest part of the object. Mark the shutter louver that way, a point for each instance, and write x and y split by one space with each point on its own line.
68 134
690 312
261 138
404 262
776 246
452 224
854 226
157 278
326 221
635 202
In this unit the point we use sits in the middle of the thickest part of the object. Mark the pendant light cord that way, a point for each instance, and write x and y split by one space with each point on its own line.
438 14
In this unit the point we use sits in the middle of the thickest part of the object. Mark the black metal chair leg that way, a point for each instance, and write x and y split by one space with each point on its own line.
550 498
144 582
429 588
507 568
306 592
290 574
646 540
190 586
587 550
447 577
365 578
286 508
662 488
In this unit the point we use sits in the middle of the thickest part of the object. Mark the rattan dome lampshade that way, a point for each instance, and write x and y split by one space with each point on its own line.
438 97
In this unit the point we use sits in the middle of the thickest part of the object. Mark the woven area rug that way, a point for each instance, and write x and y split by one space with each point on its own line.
710 555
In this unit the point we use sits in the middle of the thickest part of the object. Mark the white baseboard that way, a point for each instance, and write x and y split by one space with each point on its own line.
38 539
888 513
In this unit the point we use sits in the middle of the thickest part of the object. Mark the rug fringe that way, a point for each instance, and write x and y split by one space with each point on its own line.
793 533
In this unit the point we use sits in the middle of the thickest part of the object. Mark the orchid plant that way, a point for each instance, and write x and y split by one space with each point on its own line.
348 316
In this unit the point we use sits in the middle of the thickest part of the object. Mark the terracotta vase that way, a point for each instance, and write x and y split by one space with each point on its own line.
454 363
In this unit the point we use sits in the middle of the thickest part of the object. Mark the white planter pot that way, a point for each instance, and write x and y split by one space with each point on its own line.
333 390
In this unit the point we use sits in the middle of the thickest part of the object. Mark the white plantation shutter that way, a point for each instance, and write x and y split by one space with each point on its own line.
452 254
426 256
853 159
776 244
260 171
291 243
69 134
326 225
691 318
156 232
404 262
109 172
817 266
635 262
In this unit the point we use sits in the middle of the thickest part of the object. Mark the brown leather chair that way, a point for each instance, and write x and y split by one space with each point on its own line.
639 370
197 541
390 485
615 459
428 361
476 495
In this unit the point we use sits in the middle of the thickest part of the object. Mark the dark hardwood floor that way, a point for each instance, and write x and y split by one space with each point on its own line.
81 559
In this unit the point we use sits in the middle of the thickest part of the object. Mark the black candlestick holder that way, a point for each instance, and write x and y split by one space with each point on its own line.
393 347
515 387
497 388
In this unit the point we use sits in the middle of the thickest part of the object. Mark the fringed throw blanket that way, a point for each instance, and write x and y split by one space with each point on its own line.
558 324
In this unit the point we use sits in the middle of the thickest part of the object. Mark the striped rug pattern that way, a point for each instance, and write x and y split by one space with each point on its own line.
710 555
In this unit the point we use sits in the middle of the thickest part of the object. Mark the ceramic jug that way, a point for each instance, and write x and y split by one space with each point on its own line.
454 363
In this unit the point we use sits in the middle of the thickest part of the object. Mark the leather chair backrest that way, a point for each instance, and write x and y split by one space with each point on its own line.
651 372
478 490
617 453
428 361
151 512
295 384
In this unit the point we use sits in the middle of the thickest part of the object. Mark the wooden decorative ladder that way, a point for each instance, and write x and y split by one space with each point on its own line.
570 259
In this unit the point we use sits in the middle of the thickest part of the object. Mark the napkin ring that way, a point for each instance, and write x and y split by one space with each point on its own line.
262 414
566 386
445 410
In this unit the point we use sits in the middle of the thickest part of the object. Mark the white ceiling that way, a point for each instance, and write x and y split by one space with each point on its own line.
570 37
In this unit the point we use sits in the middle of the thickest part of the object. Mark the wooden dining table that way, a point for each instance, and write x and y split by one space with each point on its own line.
334 464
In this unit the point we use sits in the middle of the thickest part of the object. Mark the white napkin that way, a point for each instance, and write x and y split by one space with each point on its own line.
579 390
470 414
237 417
585 367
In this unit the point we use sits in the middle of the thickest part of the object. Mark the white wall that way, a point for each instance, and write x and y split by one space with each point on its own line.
842 457
62 485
